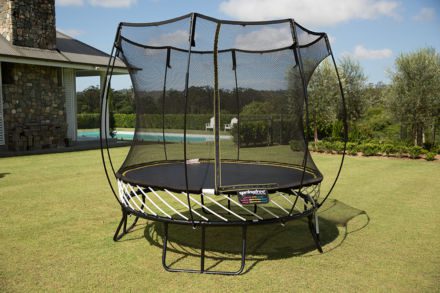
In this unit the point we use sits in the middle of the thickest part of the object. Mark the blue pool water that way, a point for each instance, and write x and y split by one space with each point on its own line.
150 136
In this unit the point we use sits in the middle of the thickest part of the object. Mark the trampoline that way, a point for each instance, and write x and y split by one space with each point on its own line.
235 175
242 86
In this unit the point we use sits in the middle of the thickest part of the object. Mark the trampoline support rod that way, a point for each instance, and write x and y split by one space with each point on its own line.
202 269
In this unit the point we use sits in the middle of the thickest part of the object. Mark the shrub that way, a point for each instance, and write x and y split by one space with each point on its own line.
125 120
414 152
430 156
88 120
402 150
327 146
252 133
388 149
369 149
319 147
351 148
296 145
338 146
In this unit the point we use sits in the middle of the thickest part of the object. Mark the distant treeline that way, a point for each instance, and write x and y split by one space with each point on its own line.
405 111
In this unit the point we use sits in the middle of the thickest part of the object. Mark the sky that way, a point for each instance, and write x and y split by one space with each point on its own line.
374 32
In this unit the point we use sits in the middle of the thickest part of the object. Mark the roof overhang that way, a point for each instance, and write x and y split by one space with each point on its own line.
83 69
70 53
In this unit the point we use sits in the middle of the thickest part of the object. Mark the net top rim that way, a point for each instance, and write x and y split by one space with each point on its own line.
222 21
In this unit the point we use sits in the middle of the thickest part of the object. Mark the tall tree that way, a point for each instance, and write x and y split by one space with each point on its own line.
323 90
416 91
88 100
353 81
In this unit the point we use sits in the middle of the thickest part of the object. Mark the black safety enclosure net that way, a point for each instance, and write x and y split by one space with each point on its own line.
221 108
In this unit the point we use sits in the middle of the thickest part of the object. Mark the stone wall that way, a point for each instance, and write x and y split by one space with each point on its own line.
29 23
33 103
6 19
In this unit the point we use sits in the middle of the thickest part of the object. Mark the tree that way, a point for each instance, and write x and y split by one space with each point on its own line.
353 82
323 93
376 95
257 108
88 100
122 100
416 91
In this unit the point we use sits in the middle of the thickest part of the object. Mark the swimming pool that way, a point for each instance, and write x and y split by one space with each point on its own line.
152 136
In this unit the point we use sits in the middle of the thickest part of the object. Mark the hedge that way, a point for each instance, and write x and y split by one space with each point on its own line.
263 130
172 121
372 149
88 120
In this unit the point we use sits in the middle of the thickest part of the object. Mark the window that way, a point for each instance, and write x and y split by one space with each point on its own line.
8 73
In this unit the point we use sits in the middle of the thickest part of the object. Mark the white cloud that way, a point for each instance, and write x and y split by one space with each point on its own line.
70 2
360 52
113 3
175 39
102 3
71 32
313 13
332 39
264 39
425 14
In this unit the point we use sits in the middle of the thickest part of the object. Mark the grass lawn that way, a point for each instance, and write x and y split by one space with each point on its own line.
58 219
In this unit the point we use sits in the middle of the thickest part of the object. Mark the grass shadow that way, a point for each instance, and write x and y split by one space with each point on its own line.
264 242
2 175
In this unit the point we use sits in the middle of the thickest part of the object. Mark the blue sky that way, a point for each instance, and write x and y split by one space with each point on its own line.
373 32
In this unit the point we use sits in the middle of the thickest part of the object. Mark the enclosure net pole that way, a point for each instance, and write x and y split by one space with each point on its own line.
109 71
191 43
234 67
217 112
167 65
344 117
297 52
105 94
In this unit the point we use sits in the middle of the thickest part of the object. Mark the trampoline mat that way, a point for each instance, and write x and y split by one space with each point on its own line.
201 176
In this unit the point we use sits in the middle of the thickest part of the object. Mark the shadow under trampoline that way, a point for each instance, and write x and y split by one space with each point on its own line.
265 242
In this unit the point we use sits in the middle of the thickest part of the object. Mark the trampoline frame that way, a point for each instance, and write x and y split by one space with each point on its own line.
137 211
128 193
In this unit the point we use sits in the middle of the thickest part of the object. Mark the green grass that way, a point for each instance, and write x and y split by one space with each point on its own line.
58 219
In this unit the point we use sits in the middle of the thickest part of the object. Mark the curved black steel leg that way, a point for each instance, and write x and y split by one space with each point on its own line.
315 232
202 255
123 224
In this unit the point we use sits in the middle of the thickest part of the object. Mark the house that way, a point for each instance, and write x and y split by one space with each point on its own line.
39 66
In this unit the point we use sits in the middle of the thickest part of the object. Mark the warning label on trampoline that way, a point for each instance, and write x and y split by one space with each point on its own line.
256 196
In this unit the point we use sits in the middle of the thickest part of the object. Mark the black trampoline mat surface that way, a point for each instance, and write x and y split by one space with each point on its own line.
202 175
